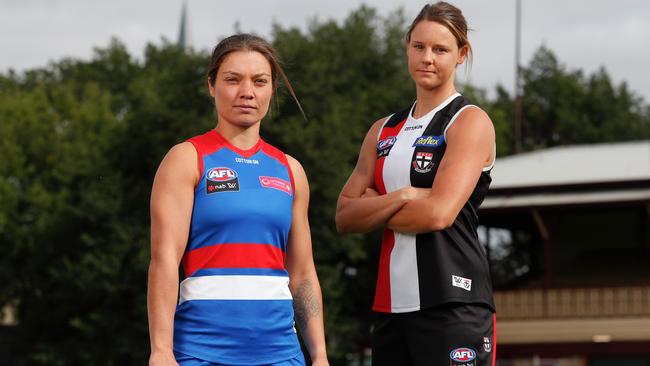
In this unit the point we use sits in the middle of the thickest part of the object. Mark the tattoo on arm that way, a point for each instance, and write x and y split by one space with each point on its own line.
305 303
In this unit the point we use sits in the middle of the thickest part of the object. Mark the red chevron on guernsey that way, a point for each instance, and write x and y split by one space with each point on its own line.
233 255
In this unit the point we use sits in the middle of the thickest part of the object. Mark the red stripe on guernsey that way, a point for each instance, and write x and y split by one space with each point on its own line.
278 155
379 167
233 255
382 292
494 339
379 176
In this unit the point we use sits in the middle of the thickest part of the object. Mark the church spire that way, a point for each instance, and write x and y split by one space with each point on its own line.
183 31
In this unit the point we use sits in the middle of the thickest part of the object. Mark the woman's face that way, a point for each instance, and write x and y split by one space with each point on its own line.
243 88
433 54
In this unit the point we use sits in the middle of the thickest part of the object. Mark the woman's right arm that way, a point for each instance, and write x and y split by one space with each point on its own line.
356 210
172 198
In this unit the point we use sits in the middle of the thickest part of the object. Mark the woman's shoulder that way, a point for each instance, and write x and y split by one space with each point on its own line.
182 151
179 165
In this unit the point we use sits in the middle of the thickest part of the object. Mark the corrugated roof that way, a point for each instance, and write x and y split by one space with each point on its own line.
592 163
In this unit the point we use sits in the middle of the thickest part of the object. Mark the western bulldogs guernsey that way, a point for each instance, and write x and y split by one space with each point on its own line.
234 305
428 269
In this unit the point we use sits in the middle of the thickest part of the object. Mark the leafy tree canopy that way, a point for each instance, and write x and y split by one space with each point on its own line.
81 140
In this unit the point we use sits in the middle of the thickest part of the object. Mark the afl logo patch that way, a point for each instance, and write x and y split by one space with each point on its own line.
429 141
384 146
462 356
221 179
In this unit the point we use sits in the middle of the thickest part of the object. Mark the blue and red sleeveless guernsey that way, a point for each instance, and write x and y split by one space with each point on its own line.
234 305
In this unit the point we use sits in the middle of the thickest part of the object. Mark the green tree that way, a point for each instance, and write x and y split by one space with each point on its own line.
562 107
83 140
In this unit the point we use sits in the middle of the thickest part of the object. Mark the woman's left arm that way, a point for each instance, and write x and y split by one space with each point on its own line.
470 147
303 280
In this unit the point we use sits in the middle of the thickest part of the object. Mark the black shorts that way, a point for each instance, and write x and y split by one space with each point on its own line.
450 334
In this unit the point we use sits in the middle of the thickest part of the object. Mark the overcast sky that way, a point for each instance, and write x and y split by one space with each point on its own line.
584 34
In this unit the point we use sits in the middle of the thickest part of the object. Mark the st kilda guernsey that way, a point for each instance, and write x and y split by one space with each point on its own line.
433 268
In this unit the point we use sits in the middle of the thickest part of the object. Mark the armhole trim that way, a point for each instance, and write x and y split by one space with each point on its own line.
451 122
199 156
494 160
455 116
383 125
290 171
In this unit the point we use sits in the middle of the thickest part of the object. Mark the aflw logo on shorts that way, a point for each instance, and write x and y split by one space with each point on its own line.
463 357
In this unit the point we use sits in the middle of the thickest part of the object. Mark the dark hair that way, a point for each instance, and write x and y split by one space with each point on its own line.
447 15
249 42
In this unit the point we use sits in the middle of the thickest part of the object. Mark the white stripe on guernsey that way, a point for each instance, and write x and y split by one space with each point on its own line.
235 288
403 268
451 122
404 282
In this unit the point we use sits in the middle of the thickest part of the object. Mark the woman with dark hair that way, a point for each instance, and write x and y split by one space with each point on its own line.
232 210
422 174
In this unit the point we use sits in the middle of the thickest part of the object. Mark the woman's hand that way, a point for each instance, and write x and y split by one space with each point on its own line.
411 193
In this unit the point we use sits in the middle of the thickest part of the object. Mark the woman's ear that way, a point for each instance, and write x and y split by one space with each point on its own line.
210 88
462 54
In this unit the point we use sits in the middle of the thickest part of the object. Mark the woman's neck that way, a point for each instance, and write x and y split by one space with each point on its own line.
429 99
241 137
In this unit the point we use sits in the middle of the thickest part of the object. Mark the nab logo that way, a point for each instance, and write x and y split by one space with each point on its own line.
221 174
462 355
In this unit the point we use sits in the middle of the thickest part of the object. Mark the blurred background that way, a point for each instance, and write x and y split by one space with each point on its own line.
92 95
